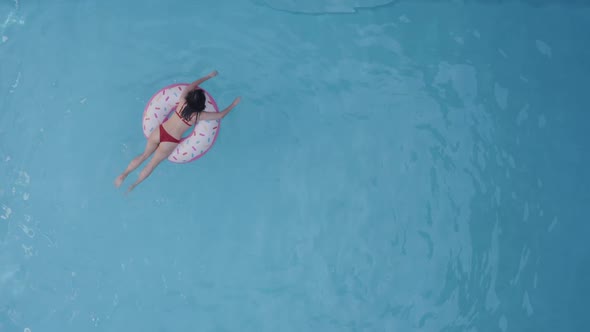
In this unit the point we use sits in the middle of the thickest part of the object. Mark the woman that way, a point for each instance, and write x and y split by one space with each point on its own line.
166 137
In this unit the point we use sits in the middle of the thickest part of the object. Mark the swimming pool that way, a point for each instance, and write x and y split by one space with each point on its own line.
393 166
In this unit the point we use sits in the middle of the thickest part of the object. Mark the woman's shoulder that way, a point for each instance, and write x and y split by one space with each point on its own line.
180 104
195 118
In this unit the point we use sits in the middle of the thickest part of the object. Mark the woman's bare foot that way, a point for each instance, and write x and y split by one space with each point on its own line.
131 187
119 180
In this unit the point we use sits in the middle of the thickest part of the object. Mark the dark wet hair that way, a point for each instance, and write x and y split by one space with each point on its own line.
195 103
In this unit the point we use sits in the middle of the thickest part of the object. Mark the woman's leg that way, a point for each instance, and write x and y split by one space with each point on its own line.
151 146
162 152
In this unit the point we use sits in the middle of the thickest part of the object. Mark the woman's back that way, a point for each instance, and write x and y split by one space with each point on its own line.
176 125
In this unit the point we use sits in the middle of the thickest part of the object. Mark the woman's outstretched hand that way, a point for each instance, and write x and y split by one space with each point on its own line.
212 74
198 82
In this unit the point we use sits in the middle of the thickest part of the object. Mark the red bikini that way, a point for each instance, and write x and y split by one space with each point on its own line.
166 137
183 120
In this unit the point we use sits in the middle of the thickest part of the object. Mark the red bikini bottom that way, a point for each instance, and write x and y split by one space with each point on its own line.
165 137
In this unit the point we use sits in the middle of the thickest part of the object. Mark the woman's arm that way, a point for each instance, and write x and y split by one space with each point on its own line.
196 83
219 115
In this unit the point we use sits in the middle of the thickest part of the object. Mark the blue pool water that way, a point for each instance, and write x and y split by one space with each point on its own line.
393 166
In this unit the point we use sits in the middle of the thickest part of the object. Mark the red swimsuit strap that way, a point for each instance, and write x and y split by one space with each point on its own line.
183 119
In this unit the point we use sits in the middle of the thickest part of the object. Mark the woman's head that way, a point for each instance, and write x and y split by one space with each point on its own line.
195 103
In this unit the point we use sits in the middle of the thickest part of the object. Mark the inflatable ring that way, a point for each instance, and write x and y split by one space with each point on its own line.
162 104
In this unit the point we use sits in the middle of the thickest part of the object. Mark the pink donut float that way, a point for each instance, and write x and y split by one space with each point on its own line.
204 133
